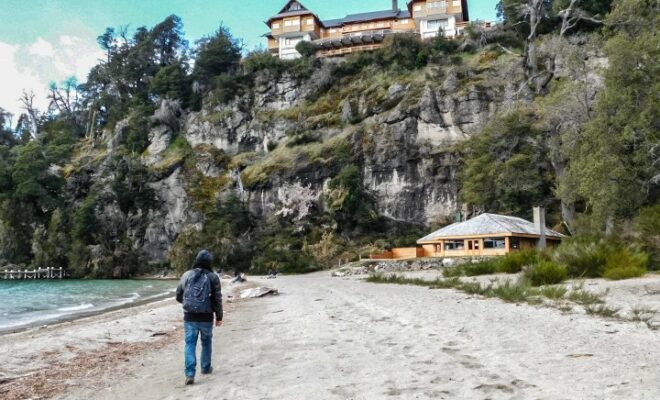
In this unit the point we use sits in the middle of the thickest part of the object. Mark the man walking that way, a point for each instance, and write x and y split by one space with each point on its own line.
199 292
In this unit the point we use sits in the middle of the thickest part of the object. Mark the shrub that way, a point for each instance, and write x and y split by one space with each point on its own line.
513 292
306 49
553 292
260 61
515 261
625 264
545 272
647 226
584 256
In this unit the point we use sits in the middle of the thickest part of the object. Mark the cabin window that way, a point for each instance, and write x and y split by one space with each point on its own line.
292 22
494 243
404 21
310 21
295 7
276 25
454 245
514 243
456 3
381 24
333 30
417 7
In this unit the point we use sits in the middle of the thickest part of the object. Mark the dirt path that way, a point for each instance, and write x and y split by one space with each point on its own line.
330 338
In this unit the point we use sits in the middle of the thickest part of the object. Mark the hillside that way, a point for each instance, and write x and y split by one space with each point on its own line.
296 165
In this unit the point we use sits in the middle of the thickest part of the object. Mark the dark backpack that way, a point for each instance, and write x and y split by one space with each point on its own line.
197 294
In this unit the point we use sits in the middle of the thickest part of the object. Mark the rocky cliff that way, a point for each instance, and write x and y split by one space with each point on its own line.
399 130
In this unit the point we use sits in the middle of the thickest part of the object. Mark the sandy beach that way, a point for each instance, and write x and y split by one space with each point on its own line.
342 338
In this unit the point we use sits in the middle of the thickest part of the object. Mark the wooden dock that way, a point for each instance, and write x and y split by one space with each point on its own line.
42 273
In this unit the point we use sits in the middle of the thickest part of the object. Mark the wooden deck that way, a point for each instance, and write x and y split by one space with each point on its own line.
42 273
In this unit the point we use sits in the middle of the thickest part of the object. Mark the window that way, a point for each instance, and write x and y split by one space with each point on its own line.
292 22
437 4
295 7
456 3
292 41
454 245
310 21
381 24
514 243
333 30
276 25
494 243
417 7
436 24
404 21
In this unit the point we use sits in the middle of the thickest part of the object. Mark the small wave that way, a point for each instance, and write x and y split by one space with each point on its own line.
76 308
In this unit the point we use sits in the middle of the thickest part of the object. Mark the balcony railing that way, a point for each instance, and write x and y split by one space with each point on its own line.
357 38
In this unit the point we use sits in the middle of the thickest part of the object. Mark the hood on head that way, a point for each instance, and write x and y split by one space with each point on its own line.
203 259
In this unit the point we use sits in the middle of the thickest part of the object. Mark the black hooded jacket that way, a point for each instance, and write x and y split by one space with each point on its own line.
202 264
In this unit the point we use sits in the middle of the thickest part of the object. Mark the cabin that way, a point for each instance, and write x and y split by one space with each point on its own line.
364 31
484 235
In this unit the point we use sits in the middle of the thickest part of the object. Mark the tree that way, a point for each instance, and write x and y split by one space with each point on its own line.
168 41
64 98
216 54
506 166
27 101
306 49
615 164
108 42
172 82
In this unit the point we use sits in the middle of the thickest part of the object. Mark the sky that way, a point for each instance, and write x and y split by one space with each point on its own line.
43 41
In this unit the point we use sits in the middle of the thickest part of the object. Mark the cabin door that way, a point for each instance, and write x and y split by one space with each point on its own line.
474 247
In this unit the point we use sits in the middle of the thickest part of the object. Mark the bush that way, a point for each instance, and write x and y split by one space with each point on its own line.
515 261
647 226
545 272
306 49
262 60
406 51
585 256
625 264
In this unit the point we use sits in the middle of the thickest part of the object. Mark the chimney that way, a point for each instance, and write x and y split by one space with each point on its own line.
395 6
539 225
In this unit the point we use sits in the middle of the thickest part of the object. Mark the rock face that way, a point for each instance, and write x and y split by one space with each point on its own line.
402 141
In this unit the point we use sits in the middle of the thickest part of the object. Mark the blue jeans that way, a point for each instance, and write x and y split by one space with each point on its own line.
192 331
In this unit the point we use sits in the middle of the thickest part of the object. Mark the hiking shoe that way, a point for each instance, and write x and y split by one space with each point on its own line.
190 380
208 371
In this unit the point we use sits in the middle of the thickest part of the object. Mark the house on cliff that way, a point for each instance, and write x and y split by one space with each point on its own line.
364 31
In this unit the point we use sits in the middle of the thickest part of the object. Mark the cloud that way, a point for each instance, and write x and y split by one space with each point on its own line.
13 79
35 65
41 48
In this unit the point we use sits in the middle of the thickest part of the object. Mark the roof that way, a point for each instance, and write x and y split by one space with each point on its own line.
486 224
286 11
368 16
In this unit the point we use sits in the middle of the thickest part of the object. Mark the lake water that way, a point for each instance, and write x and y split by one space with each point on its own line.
28 302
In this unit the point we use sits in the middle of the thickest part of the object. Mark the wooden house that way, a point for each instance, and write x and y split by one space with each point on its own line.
489 235
364 31
484 235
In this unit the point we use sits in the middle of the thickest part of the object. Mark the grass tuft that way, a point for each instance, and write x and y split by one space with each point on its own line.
584 297
601 310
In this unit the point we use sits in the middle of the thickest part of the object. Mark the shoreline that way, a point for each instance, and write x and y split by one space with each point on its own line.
83 314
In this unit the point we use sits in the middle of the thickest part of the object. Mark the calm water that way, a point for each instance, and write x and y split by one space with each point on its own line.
26 302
